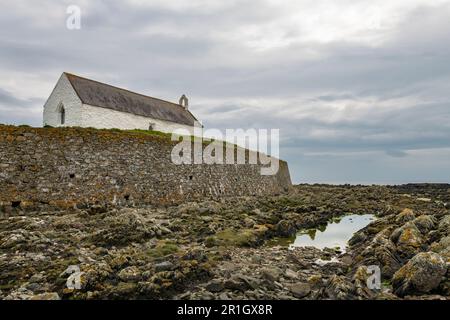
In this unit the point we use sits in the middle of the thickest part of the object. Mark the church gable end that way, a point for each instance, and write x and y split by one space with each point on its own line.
63 107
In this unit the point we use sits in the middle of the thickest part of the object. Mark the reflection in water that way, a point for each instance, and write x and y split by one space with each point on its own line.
335 234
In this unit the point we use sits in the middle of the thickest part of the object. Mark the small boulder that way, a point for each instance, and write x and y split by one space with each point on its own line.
419 275
442 247
236 284
300 289
444 225
129 274
408 239
164 266
338 288
315 280
405 216
215 286
358 237
285 228
290 274
271 274
425 223
382 252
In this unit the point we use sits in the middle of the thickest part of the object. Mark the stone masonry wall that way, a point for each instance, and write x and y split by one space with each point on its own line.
75 167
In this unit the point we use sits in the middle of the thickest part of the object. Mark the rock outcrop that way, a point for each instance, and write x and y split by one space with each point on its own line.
420 275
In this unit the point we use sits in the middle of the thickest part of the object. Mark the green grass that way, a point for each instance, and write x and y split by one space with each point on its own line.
150 133
238 238
168 136
163 248
153 133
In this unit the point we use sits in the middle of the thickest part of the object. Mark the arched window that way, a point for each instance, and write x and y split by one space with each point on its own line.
62 114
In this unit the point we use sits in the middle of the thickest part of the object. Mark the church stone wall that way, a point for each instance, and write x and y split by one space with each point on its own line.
75 167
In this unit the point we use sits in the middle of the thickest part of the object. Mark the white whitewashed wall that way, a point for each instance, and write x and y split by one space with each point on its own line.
103 118
65 94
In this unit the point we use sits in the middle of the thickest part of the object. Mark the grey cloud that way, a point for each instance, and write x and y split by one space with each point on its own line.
334 97
14 110
418 127
396 153
6 98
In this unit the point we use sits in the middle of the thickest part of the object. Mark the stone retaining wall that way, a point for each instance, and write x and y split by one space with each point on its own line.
75 167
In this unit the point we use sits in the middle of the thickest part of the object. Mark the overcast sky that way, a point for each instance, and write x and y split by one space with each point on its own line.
360 90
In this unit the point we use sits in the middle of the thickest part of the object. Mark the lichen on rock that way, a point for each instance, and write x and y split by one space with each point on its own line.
423 273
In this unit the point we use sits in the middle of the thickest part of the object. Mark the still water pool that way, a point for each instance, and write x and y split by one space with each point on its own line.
335 234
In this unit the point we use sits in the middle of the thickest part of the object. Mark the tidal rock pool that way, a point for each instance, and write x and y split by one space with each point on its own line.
335 234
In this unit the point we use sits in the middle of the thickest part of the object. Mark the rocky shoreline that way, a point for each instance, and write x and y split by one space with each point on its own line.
224 249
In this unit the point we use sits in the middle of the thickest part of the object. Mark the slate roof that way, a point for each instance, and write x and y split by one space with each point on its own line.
104 95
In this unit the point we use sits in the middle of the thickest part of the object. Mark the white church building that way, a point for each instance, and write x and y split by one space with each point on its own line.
81 102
